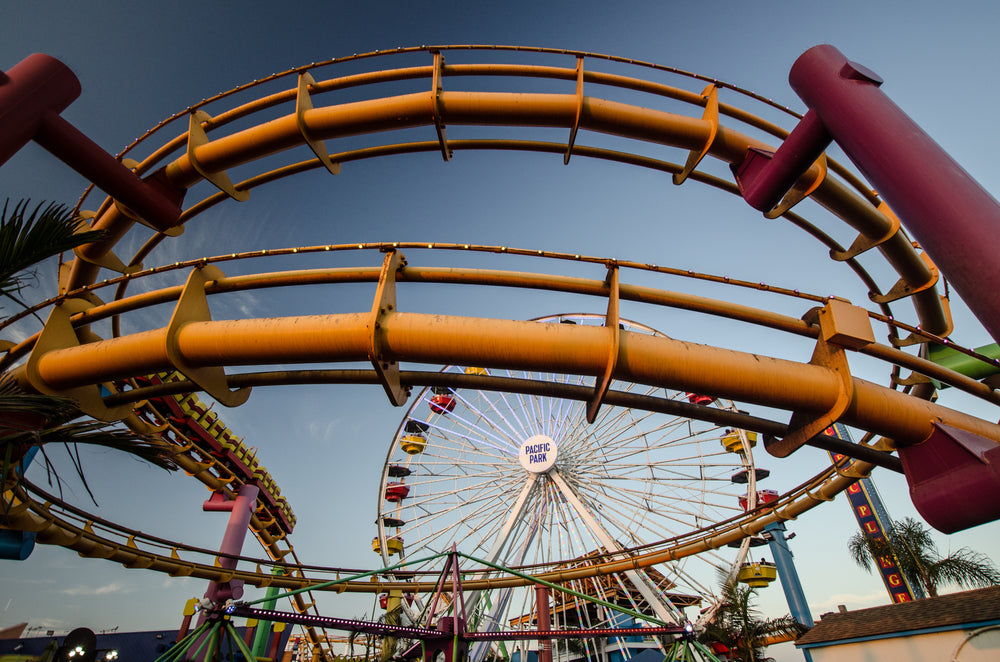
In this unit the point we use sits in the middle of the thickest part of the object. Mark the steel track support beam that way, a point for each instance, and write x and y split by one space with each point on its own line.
385 304
490 343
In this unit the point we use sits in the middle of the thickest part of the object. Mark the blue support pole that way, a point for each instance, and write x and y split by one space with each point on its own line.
789 576
18 545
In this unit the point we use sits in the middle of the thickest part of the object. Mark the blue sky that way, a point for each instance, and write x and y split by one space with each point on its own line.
140 62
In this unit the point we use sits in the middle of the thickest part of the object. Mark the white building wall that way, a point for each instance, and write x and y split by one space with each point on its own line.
981 645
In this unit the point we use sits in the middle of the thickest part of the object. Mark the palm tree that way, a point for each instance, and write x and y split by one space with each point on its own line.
27 238
737 623
910 542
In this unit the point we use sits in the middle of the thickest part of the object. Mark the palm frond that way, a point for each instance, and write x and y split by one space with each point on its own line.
912 546
966 568
28 420
29 237
14 400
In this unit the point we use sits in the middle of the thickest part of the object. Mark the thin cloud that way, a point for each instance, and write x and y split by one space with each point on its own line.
852 601
106 589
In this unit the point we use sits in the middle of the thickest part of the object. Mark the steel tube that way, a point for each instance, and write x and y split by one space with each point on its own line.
423 338
514 110
147 198
34 88
954 218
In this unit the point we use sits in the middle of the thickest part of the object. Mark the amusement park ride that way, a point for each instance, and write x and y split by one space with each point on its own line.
587 455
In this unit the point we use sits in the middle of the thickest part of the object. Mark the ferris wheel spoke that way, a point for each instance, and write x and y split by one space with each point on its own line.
608 516
461 495
475 436
506 432
569 415
608 426
444 454
665 511
448 531
444 503
654 444
515 412
524 410
471 475
664 438
632 497
662 611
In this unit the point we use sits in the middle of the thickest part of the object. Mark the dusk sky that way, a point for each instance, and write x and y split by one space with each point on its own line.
139 63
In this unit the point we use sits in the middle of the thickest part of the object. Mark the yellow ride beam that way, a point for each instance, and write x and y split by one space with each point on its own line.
436 108
445 339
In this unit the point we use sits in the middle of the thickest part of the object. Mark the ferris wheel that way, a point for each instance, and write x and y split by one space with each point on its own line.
524 480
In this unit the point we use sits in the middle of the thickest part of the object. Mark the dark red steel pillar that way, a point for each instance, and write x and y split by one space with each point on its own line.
32 94
544 622
952 475
952 217
954 478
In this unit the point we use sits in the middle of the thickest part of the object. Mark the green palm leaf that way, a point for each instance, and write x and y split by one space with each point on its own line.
916 554
29 237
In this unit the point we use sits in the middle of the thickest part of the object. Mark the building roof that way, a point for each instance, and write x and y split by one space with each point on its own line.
13 631
953 610
148 645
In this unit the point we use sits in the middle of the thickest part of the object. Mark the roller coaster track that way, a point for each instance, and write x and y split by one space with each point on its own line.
60 524
427 338
213 137
205 448
831 185
31 515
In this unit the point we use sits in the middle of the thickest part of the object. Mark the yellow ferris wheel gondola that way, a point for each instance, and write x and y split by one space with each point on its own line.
757 575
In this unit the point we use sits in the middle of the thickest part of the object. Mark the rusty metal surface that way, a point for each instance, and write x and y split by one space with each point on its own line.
844 196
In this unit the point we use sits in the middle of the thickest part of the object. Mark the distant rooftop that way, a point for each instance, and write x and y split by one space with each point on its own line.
969 608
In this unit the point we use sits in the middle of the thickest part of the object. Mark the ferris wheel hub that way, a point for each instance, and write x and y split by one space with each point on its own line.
538 454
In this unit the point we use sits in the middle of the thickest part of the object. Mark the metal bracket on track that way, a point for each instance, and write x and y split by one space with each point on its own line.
864 243
711 115
903 289
611 322
198 138
797 195
385 304
841 325
436 89
192 306
136 424
59 333
182 569
914 339
303 102
579 110
108 260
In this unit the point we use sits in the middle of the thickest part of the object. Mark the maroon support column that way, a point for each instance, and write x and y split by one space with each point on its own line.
544 622
955 220
953 478
32 94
